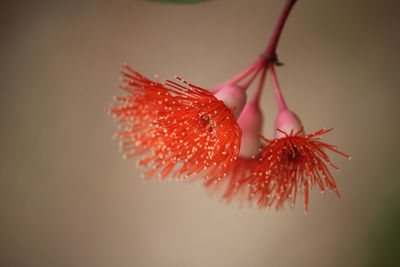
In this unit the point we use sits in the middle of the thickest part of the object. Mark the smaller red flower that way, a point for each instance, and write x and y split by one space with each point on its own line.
179 128
235 184
295 162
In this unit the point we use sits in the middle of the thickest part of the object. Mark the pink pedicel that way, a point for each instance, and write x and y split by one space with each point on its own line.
250 121
233 96
287 122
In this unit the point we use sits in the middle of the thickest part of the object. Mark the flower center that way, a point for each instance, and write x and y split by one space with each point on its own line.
291 153
207 122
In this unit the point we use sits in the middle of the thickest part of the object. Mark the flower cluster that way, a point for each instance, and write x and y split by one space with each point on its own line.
185 132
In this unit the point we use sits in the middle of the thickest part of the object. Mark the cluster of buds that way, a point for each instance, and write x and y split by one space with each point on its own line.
185 132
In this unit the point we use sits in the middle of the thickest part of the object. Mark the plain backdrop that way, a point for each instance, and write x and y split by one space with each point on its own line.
68 199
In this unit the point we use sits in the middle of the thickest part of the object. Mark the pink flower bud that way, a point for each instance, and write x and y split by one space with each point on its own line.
233 96
287 122
250 121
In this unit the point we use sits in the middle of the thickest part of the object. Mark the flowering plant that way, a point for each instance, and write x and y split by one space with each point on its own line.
186 132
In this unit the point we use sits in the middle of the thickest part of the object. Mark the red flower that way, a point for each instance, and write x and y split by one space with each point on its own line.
235 183
179 129
289 164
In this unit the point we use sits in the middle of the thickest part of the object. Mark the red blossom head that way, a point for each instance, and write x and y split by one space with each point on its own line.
179 128
235 184
292 163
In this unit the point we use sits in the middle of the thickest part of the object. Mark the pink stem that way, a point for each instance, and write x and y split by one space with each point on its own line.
273 43
254 66
260 86
268 57
252 77
270 54
277 89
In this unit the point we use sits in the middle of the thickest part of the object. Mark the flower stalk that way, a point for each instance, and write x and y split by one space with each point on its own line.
268 57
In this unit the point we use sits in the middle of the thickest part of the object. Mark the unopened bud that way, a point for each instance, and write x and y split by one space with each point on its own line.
233 96
287 122
250 121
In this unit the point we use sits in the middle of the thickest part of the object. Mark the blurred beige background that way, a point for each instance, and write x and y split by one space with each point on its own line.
68 199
